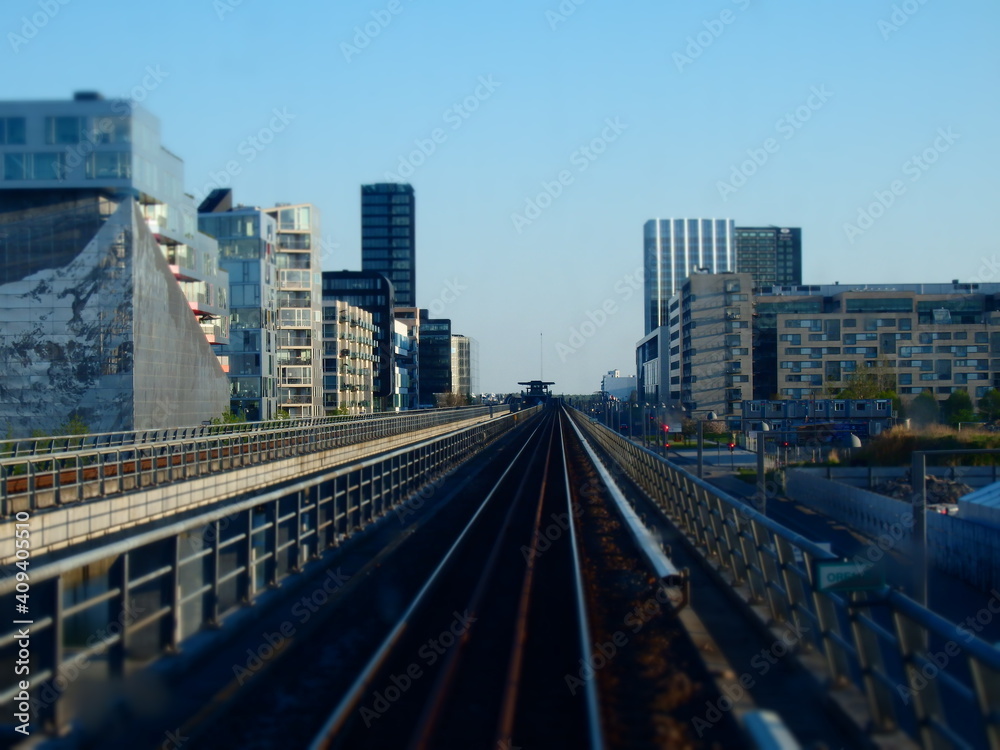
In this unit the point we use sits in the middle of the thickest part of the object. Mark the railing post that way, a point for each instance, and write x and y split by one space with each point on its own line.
170 624
918 479
249 580
50 714
119 578
211 617
761 475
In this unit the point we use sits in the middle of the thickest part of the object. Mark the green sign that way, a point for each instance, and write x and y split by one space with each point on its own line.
848 575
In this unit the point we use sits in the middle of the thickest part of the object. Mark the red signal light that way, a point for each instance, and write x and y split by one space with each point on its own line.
732 447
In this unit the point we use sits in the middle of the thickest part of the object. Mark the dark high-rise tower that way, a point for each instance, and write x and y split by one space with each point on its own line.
772 255
388 237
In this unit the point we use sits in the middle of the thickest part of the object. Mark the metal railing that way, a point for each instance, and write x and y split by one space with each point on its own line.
127 602
22 447
79 468
930 678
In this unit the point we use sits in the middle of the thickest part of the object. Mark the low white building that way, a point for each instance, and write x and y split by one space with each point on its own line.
613 385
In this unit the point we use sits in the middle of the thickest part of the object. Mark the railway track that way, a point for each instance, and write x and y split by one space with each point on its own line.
490 634
539 625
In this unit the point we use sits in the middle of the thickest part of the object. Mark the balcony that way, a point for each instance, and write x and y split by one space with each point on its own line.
288 342
734 394
289 398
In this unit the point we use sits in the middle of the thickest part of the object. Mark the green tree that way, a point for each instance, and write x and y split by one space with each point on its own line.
229 417
74 426
869 382
957 408
989 405
925 409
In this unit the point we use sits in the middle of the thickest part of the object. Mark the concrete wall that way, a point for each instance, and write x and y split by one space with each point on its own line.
861 476
966 549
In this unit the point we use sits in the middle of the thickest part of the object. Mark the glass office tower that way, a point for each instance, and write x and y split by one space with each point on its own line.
673 248
388 237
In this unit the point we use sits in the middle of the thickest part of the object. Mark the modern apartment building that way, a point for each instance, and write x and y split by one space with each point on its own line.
811 341
247 240
388 237
404 352
814 339
300 391
434 352
716 364
615 386
672 250
464 365
371 291
349 358
771 255
110 297
433 337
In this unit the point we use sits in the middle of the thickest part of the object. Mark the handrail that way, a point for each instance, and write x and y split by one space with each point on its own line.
44 445
79 474
916 669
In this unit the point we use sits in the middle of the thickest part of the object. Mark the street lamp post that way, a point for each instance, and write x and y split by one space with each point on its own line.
701 440
761 480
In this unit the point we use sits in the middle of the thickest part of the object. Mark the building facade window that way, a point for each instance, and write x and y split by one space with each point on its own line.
12 131
64 130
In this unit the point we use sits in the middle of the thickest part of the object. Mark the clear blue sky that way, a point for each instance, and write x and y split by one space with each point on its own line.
887 92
